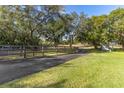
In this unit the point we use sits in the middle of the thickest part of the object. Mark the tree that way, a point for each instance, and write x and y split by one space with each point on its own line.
99 31
30 25
119 27
116 17
71 22
83 27
92 30
7 25
55 31
53 24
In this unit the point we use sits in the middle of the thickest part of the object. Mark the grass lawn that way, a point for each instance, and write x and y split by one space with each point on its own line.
92 70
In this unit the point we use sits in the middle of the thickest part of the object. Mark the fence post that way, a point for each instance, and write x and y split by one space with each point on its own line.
42 50
21 50
25 52
56 50
33 50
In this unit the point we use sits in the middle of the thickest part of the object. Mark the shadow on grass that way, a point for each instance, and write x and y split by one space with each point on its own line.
92 50
59 84
68 65
118 50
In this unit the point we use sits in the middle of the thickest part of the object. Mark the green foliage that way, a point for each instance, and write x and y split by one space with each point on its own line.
102 29
92 30
25 25
117 21
34 25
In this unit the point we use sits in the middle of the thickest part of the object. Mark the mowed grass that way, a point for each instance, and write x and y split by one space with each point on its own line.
92 70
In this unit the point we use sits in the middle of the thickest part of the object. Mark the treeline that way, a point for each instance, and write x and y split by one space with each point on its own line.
33 25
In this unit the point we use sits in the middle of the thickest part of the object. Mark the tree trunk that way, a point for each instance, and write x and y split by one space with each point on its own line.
95 45
123 46
71 41
56 47
70 45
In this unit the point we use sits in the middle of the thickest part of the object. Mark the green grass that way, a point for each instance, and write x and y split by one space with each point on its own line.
92 70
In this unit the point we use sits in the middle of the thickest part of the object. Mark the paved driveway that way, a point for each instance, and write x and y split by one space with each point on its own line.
10 70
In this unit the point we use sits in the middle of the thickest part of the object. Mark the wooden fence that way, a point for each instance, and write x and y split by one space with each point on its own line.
24 51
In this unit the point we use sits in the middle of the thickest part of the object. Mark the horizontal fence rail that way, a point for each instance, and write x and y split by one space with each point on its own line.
25 51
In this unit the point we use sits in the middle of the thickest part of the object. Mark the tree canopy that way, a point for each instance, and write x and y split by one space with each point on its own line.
29 25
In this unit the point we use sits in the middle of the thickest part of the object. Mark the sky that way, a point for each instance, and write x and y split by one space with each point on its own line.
91 10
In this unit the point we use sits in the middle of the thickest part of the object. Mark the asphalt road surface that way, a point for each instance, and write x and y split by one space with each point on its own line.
10 70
